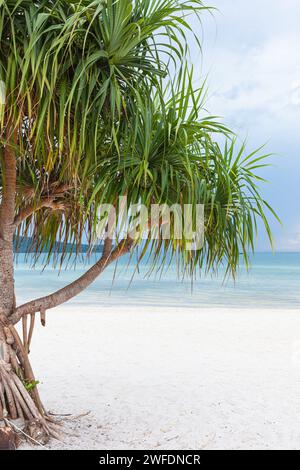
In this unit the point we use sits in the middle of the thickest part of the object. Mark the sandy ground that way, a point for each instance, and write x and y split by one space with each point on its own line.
172 379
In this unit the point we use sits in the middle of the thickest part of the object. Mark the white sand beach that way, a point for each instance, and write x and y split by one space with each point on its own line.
171 378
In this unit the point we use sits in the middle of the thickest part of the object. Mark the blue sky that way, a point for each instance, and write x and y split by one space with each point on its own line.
251 54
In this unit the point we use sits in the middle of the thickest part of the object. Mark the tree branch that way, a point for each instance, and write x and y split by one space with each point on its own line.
48 201
27 211
67 293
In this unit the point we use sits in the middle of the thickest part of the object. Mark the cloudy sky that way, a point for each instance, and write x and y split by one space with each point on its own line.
251 53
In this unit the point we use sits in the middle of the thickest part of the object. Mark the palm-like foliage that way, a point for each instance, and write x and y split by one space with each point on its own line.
92 112
89 89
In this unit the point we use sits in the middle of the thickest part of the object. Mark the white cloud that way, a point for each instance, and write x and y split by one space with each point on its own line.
262 76
290 241
252 57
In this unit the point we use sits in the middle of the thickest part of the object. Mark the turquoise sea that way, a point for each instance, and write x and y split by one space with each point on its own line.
273 282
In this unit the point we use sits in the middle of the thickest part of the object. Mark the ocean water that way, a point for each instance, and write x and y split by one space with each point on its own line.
273 282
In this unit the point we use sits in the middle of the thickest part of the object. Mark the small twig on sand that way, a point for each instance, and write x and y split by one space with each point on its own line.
69 416
74 418
56 414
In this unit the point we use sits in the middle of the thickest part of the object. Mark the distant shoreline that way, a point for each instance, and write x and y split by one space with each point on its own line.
27 246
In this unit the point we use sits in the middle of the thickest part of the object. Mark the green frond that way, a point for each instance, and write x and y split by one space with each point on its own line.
90 92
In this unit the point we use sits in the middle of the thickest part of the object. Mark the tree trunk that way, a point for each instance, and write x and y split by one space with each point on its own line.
20 404
7 290
7 216
19 399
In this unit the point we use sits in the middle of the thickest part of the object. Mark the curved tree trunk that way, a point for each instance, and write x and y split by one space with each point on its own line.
75 288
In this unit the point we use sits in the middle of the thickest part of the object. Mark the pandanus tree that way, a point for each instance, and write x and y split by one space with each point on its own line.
97 101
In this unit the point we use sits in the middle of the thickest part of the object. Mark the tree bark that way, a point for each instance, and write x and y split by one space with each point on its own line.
7 296
7 215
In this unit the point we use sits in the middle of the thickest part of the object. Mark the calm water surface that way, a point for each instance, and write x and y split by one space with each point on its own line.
273 282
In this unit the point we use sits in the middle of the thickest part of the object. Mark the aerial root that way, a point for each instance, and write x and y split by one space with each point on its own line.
20 404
